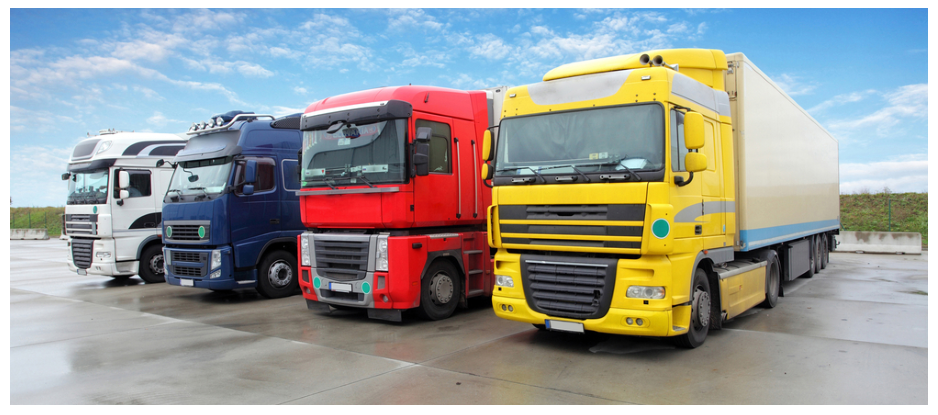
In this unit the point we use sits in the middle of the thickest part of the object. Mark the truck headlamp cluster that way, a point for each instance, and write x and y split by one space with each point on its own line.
304 250
216 259
651 293
381 260
167 258
504 281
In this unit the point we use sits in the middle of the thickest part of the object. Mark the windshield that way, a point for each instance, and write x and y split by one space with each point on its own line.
88 188
355 154
594 140
200 177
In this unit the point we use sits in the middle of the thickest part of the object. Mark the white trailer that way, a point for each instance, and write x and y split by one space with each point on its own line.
115 197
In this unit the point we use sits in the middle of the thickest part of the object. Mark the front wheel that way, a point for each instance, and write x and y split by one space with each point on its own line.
276 276
699 313
439 291
151 265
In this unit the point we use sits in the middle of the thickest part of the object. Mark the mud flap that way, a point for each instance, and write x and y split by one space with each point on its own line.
317 306
381 314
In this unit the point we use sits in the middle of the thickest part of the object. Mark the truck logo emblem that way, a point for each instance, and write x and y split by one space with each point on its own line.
201 231
660 228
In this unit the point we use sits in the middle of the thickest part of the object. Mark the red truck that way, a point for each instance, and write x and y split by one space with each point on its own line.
393 201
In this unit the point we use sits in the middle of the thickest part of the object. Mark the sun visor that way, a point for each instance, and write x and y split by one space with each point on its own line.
210 146
357 114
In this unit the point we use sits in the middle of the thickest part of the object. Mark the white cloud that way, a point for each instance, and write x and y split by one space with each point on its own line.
300 90
43 186
251 69
793 85
147 92
904 103
412 19
490 47
159 120
841 100
907 173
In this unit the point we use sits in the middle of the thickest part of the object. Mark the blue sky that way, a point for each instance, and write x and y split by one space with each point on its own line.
863 74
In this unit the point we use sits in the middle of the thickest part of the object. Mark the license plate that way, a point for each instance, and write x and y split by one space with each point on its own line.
82 272
564 326
342 288
186 283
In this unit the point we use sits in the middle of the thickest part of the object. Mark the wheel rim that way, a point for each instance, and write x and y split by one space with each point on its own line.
156 264
701 309
441 288
280 274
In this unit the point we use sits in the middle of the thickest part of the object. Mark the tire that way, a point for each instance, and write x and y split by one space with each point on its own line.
700 312
825 251
818 253
277 276
439 291
773 280
812 255
151 265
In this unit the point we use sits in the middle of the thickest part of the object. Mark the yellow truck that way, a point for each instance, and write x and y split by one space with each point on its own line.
655 194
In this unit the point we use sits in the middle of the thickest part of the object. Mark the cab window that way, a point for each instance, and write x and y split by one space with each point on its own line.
440 139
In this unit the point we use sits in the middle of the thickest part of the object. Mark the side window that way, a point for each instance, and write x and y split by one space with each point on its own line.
139 183
677 141
440 140
266 173
288 169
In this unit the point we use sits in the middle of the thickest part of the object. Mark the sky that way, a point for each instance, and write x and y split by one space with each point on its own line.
861 73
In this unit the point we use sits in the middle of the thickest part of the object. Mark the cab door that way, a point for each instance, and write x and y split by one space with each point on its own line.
685 197
711 181
255 218
132 218
435 195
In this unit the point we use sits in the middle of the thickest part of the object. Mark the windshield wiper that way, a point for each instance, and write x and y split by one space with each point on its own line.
617 161
362 176
525 167
570 166
199 188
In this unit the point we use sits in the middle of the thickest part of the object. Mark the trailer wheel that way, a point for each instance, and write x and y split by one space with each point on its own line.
812 254
276 276
150 269
772 280
818 253
825 251
700 313
439 291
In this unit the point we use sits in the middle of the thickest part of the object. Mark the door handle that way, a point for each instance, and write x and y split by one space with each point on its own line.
275 221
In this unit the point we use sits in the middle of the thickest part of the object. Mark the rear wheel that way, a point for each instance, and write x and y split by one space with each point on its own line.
825 251
700 313
276 277
151 265
812 255
772 280
818 253
439 291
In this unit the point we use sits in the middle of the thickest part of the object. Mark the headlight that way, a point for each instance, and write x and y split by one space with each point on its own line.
103 254
304 251
651 293
216 259
504 281
381 263
219 121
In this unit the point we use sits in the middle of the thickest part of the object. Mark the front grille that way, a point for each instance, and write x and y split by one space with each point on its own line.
76 224
187 233
559 217
82 252
341 260
183 256
184 271
336 295
581 288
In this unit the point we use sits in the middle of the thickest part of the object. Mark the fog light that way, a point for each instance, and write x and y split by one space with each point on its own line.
503 307
511 309
639 321
628 321
215 274
504 281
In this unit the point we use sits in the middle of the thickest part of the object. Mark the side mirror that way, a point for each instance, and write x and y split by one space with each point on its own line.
422 157
693 130
250 172
423 133
123 194
66 176
487 172
487 152
123 179
695 162
247 190
160 162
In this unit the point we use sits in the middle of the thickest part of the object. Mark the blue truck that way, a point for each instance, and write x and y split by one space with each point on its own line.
230 214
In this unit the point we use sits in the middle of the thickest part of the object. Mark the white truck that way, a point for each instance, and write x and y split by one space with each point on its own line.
115 197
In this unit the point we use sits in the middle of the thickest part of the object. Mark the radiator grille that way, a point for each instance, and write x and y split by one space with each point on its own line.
341 260
76 224
597 226
579 290
183 256
82 252
184 271
187 233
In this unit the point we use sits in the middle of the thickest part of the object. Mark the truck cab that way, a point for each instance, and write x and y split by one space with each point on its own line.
393 201
112 212
230 214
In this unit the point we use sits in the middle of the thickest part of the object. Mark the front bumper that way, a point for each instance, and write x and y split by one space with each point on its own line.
196 271
655 323
102 266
